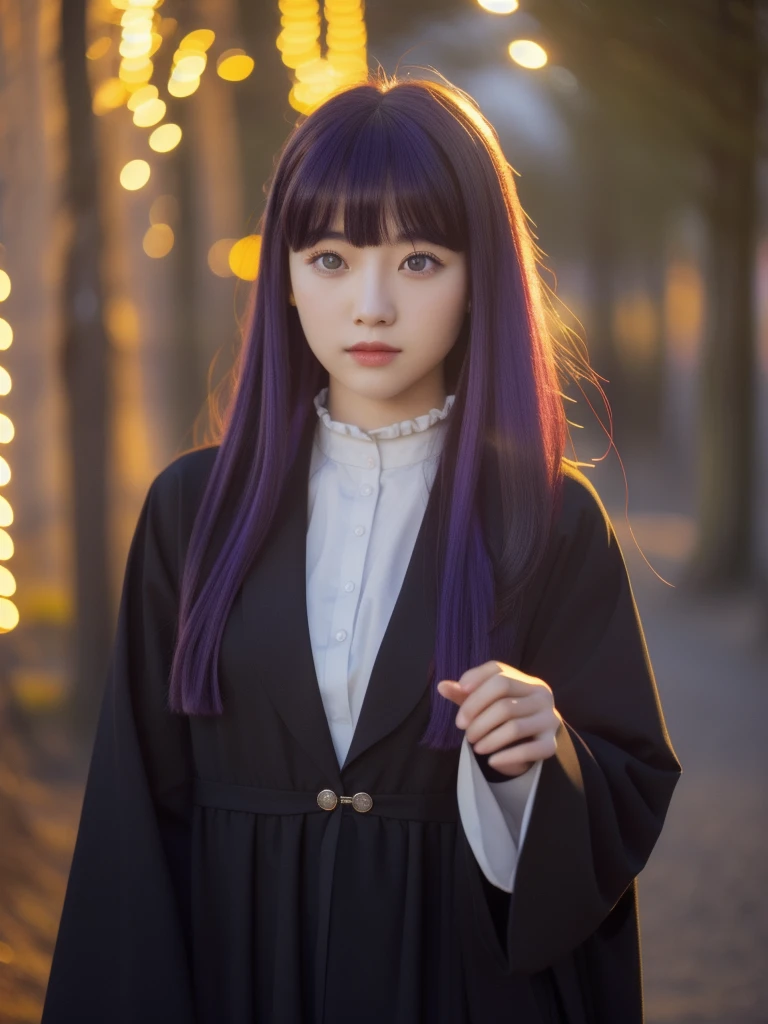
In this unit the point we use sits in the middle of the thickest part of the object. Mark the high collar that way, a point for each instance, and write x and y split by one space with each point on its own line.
399 444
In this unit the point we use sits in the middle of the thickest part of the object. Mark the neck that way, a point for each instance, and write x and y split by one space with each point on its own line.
371 412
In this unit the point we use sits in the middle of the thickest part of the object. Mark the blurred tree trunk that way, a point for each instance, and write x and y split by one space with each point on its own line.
84 361
726 408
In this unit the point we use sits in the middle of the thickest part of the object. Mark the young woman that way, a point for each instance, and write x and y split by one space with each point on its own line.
381 741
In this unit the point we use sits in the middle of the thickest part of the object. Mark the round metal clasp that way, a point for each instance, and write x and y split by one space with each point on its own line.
327 799
362 802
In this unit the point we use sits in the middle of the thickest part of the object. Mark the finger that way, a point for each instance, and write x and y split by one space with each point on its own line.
514 770
494 688
511 732
536 750
500 711
451 691
475 677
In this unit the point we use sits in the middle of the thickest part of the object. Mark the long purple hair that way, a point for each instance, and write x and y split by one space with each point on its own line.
423 153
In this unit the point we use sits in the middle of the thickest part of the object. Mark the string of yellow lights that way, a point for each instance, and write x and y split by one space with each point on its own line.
9 614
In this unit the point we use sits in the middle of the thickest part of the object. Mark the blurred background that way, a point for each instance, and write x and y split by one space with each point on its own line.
136 140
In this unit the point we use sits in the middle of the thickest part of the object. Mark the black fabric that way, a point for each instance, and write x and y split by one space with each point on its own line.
191 900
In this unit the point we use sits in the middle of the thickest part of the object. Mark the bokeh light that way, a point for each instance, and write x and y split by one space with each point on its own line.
7 582
158 241
200 39
165 138
244 257
149 113
234 65
5 389
527 54
188 65
182 89
7 434
5 286
6 335
135 175
218 257
108 95
9 615
499 6
99 48
6 546
142 95
136 71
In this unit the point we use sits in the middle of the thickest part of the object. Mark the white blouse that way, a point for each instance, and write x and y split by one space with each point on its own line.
368 492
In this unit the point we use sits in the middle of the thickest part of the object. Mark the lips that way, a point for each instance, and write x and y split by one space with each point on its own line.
372 346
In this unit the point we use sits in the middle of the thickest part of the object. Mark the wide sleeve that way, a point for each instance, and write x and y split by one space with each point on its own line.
603 796
495 815
121 954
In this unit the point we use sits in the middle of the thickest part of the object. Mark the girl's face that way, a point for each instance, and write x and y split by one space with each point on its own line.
413 298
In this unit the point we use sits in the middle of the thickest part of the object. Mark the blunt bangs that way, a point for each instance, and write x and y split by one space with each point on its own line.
384 173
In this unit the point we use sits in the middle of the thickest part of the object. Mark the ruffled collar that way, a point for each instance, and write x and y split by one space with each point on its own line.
398 444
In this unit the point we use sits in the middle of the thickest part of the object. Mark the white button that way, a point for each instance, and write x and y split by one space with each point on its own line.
371 462
359 530
366 489
349 586
341 635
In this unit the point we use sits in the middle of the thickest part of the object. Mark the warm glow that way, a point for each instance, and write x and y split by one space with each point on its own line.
200 39
5 385
99 48
136 71
188 65
244 257
7 582
164 210
181 89
346 61
528 54
6 335
135 44
6 546
142 95
7 434
9 615
6 512
158 241
138 19
165 138
684 311
135 175
5 286
110 94
234 65
123 325
218 257
636 329
149 113
499 6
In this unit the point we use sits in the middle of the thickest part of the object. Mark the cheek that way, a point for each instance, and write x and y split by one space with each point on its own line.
442 322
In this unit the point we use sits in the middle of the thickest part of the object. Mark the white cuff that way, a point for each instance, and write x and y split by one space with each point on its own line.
495 816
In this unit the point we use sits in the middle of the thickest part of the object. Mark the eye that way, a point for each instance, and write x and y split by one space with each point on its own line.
314 259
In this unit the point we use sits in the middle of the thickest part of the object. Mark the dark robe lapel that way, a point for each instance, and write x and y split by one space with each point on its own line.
277 639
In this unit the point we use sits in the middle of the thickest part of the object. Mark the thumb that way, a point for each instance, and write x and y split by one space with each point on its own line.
451 691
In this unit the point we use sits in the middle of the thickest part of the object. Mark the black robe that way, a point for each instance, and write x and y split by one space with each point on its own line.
209 886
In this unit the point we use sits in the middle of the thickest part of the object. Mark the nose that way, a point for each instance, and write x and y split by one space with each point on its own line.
373 303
